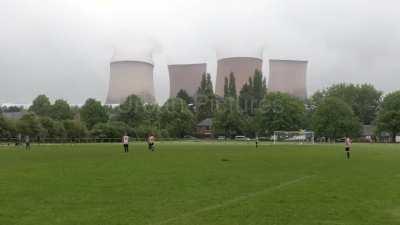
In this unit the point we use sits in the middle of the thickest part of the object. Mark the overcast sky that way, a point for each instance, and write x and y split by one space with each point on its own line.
62 48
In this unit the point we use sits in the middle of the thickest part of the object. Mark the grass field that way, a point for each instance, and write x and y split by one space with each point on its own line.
200 183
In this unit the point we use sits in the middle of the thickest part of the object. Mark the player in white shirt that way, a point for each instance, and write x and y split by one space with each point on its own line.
150 142
256 141
347 144
125 141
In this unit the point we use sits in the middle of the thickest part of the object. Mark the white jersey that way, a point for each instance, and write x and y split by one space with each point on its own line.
347 142
125 139
151 139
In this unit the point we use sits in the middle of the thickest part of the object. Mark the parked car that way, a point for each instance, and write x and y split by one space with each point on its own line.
221 138
340 139
188 137
242 138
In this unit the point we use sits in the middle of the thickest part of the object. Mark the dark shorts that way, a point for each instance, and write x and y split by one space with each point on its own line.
347 149
125 145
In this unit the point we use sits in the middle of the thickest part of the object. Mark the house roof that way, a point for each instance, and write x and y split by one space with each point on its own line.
13 115
368 130
205 123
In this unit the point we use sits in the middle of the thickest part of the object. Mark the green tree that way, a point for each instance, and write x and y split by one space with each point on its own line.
7 127
203 84
251 125
389 115
41 106
209 85
252 93
114 129
92 112
29 125
367 103
280 111
228 118
131 111
61 110
52 129
11 108
58 130
246 99
259 87
232 86
75 129
316 99
152 117
182 94
226 86
334 118
176 117
75 111
206 86
206 101
364 99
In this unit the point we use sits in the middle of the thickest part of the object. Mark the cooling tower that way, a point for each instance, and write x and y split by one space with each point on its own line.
130 77
288 76
186 77
242 68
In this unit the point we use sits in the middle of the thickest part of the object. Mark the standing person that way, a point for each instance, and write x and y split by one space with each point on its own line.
38 140
150 142
27 143
347 144
125 141
18 141
256 141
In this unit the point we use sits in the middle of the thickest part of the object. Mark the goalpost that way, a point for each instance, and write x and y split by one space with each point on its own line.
299 137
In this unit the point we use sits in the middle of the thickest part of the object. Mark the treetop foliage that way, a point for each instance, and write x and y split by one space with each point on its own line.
41 106
388 119
334 112
280 111
364 99
334 118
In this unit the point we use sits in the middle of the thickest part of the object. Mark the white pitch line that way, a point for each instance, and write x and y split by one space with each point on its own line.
235 200
331 222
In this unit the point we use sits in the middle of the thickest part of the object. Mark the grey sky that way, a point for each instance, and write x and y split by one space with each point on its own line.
63 48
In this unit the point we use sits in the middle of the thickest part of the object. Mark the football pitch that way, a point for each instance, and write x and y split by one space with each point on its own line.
199 184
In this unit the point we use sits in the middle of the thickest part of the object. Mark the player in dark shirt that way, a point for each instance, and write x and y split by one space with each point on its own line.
27 143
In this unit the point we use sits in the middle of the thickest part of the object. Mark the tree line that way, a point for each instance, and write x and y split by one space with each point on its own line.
334 112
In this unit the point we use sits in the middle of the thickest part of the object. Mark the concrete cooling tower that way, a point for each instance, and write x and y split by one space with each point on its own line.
186 77
288 76
129 77
242 68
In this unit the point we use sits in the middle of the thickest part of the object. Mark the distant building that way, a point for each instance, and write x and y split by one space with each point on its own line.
241 67
130 77
185 77
14 115
368 133
204 128
288 76
368 130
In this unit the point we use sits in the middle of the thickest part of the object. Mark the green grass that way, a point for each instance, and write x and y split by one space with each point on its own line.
200 183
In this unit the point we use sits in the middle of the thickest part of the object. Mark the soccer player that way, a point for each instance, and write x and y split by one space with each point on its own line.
125 141
256 141
347 144
150 142
18 141
27 143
